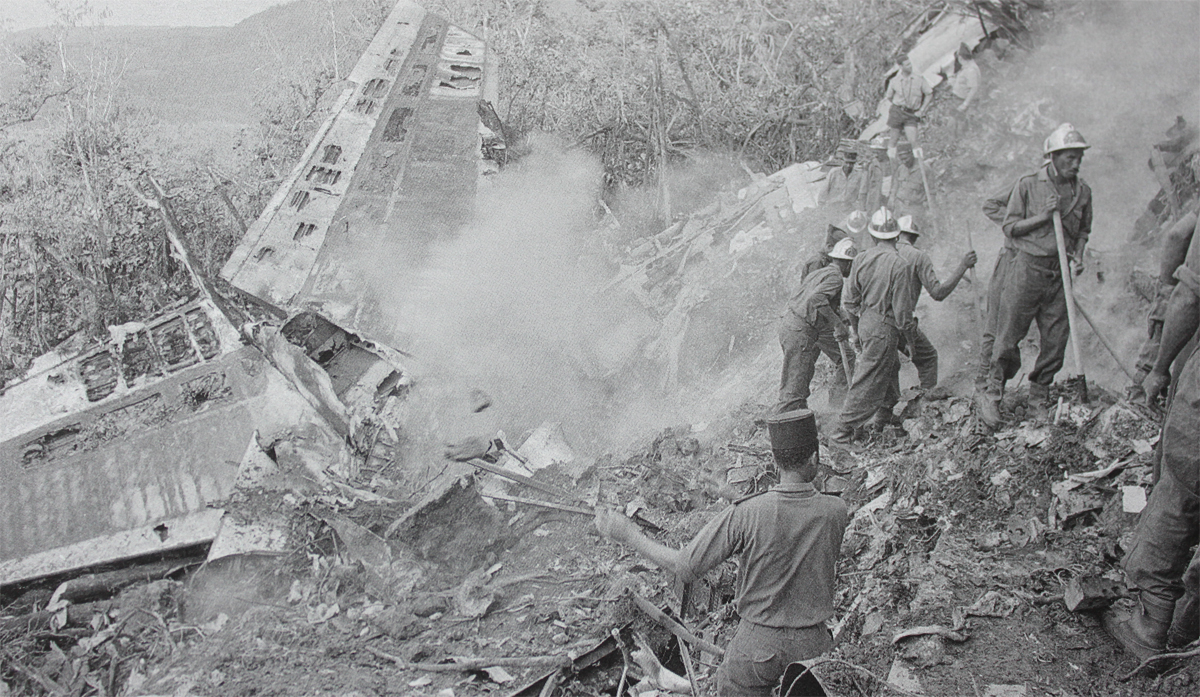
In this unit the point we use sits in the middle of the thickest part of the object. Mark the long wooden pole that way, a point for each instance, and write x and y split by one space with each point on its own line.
1068 290
975 289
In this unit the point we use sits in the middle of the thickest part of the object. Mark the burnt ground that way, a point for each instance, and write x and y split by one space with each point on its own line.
961 529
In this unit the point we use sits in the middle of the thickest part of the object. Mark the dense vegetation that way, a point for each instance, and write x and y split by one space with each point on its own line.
644 85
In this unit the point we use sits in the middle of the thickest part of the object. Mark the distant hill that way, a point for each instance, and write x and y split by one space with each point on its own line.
209 74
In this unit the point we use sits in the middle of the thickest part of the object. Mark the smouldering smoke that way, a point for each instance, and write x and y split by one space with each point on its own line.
509 306
1120 72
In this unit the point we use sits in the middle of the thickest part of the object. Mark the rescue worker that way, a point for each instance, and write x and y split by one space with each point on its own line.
852 227
877 177
787 542
964 85
1032 286
842 184
812 325
879 301
907 195
1174 250
910 96
1160 566
922 275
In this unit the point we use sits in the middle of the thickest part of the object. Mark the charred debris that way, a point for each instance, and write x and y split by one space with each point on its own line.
235 470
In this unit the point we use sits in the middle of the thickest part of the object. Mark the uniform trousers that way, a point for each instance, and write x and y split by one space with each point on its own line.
1160 564
1032 290
757 656
924 357
988 341
876 384
801 347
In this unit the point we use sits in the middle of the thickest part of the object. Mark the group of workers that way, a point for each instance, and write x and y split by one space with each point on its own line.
855 305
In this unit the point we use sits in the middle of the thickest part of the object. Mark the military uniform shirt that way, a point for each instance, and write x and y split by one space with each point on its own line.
1028 199
787 542
879 281
819 288
907 187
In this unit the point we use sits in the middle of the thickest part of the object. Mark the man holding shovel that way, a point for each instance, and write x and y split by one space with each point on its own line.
1032 287
812 325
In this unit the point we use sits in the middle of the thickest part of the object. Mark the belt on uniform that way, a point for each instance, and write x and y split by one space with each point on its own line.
872 312
1047 265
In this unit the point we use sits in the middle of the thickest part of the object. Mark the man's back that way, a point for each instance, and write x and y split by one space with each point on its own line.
787 541
877 282
822 286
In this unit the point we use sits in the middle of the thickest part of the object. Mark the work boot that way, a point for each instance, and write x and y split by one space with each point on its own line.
843 438
937 393
987 409
1185 628
1142 634
1039 403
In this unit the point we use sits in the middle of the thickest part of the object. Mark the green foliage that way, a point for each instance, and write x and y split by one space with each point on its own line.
82 241
648 83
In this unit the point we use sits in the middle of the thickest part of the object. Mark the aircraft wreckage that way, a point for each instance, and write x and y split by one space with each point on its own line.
128 448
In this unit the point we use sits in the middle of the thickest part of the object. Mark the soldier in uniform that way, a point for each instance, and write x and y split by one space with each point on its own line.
876 181
787 542
880 304
1160 566
922 275
1032 286
811 326
852 227
907 196
1174 250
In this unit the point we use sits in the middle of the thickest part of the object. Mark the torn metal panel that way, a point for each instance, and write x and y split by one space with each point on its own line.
160 536
118 451
139 355
393 171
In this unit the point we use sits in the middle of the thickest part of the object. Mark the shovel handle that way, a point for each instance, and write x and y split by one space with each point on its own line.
1069 292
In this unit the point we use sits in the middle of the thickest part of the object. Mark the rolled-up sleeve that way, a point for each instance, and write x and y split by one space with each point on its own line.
716 542
1018 206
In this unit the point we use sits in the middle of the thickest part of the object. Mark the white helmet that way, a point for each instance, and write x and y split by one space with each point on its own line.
907 224
844 249
1065 137
856 222
883 225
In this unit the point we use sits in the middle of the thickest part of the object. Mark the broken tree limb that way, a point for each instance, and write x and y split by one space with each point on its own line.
462 664
840 627
1068 289
1104 340
107 584
674 627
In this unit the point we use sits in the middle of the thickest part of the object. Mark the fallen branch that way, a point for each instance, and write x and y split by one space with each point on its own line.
1194 651
674 627
463 664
